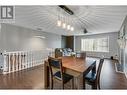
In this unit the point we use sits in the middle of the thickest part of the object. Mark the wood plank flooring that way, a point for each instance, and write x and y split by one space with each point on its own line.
27 79
110 79
33 78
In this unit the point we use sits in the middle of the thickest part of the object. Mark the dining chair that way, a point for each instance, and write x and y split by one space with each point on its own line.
81 55
58 73
93 78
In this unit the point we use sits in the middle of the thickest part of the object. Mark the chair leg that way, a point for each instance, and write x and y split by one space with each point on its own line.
52 84
99 86
62 85
94 86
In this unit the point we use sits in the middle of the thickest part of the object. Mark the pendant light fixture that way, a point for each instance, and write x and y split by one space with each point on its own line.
62 20
59 23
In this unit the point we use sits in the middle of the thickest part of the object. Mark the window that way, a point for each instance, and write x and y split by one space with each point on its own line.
98 44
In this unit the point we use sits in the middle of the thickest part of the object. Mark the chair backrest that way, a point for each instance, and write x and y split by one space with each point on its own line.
99 70
90 68
81 55
58 52
55 63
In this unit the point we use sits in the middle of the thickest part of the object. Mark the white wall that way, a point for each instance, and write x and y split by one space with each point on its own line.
16 38
113 45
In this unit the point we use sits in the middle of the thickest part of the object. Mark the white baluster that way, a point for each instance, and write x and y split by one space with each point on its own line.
9 64
5 63
16 61
28 59
20 60
13 61
15 64
31 58
25 60
41 57
35 58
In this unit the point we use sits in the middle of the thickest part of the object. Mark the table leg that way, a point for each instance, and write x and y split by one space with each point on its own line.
76 81
84 86
80 82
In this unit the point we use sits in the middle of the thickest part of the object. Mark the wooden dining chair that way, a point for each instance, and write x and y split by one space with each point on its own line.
59 74
93 78
81 55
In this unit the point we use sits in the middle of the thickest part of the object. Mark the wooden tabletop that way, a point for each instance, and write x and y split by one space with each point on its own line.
77 64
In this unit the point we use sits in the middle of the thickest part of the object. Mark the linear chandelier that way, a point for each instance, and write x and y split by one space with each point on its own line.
62 21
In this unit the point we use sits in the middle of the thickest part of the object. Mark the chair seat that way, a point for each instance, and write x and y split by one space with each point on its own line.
90 77
66 77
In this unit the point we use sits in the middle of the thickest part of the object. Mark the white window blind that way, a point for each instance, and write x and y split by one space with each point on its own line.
98 44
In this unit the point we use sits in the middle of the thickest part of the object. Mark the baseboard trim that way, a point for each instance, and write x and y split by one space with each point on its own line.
117 70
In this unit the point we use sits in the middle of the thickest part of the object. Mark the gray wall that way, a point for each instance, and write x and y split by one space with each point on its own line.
113 45
15 38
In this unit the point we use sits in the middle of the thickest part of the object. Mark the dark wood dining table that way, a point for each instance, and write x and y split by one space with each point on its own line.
78 67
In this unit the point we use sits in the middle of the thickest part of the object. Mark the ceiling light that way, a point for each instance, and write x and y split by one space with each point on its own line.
64 25
72 28
68 27
59 23
63 20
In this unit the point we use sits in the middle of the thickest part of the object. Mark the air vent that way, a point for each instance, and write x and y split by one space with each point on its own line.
42 37
39 29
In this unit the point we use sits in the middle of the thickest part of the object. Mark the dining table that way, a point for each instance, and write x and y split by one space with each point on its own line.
75 66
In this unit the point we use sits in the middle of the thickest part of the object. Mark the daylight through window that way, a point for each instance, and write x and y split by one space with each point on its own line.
98 44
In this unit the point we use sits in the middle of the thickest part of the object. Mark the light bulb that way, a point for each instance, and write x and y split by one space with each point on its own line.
59 23
68 27
64 25
72 28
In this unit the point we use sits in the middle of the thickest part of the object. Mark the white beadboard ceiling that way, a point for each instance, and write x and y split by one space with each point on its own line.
96 19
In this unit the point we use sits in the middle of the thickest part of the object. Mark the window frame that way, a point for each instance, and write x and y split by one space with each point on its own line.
95 46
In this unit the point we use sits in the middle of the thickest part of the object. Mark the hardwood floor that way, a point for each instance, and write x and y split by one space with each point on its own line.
27 79
33 78
110 79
